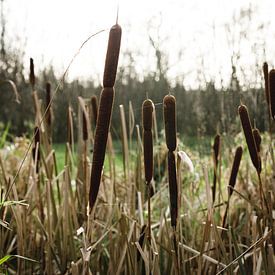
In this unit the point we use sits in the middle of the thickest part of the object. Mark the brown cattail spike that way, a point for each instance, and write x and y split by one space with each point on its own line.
216 151
147 114
173 188
94 108
100 140
169 113
258 140
112 56
265 71
272 93
235 169
84 127
32 77
247 129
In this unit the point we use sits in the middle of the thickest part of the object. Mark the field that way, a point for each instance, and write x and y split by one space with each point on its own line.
152 202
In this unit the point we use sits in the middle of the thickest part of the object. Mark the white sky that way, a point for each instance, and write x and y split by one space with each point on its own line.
54 30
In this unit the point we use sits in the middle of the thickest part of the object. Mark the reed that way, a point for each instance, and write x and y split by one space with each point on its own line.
104 112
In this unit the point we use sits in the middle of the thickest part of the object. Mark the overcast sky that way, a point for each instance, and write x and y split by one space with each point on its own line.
53 30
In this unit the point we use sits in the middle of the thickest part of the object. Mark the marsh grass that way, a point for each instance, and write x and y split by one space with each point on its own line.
48 220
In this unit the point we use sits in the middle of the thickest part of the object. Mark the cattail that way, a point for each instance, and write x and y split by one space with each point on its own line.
48 104
235 169
216 155
100 141
94 108
247 129
257 138
105 111
147 118
272 92
265 71
169 112
112 56
84 127
173 188
31 76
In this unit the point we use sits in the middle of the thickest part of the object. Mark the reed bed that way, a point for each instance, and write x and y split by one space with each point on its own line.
93 217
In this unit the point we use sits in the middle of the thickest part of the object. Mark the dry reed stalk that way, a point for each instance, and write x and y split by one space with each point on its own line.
247 129
36 150
105 111
216 156
94 105
265 71
272 93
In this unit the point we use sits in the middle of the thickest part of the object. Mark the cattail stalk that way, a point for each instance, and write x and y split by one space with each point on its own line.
104 112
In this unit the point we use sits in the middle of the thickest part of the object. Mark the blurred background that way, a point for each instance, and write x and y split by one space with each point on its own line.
209 54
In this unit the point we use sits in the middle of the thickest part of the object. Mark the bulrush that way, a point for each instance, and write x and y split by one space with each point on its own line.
94 109
216 156
235 169
104 112
272 93
32 76
265 71
169 113
147 119
247 129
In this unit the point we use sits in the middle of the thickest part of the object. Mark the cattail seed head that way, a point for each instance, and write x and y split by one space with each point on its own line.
112 56
148 155
235 169
84 127
94 108
258 140
32 76
247 129
169 113
173 188
272 93
147 114
216 155
265 71
100 141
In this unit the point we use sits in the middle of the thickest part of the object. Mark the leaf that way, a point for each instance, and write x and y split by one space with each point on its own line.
5 259
186 161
